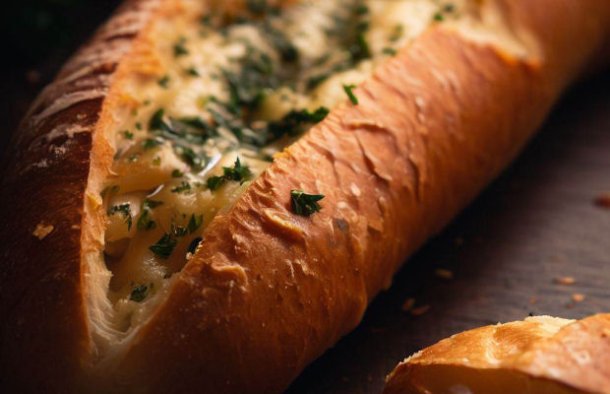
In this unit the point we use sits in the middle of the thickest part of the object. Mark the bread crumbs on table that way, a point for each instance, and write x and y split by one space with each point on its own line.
408 304
420 310
565 280
42 230
443 273
578 297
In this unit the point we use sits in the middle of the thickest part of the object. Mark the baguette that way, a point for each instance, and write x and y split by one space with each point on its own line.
540 354
141 254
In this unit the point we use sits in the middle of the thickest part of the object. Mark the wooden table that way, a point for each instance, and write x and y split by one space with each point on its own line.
536 224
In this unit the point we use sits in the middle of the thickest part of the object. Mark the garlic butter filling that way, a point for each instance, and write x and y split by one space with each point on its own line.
228 95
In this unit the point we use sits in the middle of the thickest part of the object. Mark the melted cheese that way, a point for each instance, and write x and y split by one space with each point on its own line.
161 195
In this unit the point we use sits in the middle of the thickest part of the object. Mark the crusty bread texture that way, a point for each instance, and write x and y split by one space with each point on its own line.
268 291
541 354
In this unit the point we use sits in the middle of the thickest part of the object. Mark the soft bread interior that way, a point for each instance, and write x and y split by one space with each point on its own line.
179 138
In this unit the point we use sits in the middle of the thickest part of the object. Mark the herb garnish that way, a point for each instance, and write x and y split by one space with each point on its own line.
164 82
295 121
164 246
238 173
180 48
128 135
151 143
189 156
288 52
139 293
177 174
145 222
194 223
182 188
247 88
439 16
190 129
349 90
192 71
124 210
305 204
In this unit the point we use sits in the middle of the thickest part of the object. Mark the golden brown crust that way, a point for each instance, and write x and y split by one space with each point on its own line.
538 355
43 332
270 291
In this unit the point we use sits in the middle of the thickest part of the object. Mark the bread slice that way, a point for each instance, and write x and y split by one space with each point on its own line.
540 354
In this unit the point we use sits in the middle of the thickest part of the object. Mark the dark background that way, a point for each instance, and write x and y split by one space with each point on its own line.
38 37
535 224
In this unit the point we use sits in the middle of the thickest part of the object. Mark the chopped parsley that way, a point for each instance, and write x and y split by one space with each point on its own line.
124 210
151 143
247 87
349 90
183 187
439 16
389 51
180 48
140 292
145 222
238 173
177 174
164 81
296 121
362 9
192 71
151 204
164 246
188 129
194 223
397 33
128 135
288 52
305 204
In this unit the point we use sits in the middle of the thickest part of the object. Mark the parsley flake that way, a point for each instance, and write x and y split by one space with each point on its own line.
124 210
305 204
349 90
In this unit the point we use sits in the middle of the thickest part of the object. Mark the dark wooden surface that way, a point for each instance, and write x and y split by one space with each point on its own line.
536 223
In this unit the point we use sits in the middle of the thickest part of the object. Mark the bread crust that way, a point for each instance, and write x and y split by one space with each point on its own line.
538 355
269 291
44 339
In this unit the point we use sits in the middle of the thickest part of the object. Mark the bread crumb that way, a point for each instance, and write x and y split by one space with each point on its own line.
408 304
420 310
565 280
603 200
578 297
443 273
42 230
